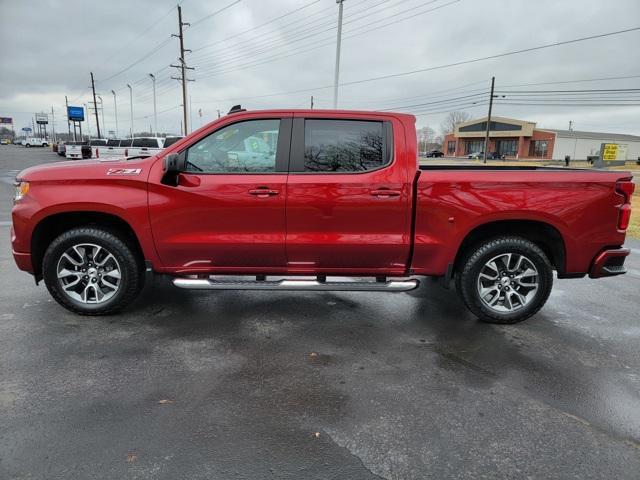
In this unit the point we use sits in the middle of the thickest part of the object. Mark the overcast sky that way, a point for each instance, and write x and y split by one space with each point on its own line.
278 53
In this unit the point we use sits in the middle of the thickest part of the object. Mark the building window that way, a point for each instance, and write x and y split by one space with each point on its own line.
495 127
538 148
508 147
451 147
474 146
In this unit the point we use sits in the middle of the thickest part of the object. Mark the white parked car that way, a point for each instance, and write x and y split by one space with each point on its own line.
145 146
35 142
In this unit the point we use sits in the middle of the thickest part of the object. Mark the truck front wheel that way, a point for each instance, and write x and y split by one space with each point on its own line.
505 280
92 271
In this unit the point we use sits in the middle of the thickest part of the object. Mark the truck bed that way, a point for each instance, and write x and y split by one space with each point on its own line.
578 206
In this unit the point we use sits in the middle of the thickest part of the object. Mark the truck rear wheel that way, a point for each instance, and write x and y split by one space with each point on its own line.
505 280
92 271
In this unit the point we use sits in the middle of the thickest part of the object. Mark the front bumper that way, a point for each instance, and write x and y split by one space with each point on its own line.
609 262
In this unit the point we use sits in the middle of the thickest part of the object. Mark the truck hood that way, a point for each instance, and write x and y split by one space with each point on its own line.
88 169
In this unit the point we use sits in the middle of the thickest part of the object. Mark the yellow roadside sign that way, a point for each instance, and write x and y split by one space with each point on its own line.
610 151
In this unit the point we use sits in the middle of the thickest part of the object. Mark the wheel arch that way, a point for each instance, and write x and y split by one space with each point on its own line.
50 227
543 234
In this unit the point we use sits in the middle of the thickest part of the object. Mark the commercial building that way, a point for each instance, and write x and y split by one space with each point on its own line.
522 140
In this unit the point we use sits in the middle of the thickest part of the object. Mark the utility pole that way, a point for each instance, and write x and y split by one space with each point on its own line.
486 137
115 108
311 102
336 78
66 102
183 68
155 114
131 105
570 125
95 106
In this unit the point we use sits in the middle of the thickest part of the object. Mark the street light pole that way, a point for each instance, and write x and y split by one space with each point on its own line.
131 105
155 114
115 108
104 126
336 78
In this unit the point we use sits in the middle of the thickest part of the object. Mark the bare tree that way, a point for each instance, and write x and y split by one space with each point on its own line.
449 123
426 137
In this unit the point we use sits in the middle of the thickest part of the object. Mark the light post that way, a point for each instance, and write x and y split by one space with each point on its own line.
131 105
104 126
155 115
115 108
336 78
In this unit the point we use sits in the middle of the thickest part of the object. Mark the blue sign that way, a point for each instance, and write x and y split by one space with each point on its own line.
6 120
26 129
75 114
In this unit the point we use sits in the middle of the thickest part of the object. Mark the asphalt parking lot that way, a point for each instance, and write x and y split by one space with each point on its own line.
189 385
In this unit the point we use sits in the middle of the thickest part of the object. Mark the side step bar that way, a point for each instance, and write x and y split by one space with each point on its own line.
302 285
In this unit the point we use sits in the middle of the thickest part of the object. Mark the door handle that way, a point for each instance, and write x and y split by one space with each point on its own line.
263 192
385 193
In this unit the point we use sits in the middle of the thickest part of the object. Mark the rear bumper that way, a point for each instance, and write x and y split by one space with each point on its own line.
609 263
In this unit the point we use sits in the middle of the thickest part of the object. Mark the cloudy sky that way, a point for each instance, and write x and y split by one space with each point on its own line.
278 53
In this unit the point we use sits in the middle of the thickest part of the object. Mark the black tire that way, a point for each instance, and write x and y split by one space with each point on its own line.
28 145
474 262
131 269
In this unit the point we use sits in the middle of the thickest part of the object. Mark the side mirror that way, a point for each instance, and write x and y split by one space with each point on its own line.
173 165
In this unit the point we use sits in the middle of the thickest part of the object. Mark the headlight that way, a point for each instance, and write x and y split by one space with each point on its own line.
22 188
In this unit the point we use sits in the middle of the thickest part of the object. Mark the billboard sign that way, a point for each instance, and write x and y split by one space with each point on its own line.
6 120
75 114
42 118
614 151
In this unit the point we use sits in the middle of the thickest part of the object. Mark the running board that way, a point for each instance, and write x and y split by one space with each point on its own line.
302 285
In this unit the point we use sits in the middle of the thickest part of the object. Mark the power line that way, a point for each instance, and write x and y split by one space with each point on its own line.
491 57
206 17
212 71
437 67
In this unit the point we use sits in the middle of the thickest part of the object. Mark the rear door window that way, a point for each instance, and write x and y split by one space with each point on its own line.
344 146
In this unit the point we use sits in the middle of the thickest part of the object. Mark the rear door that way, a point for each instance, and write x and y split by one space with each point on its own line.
227 212
348 195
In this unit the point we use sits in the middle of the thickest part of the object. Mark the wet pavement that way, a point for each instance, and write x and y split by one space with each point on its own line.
316 385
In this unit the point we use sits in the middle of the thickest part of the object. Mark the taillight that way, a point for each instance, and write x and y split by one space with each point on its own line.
625 188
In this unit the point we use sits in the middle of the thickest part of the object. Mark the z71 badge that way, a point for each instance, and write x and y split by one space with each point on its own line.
124 171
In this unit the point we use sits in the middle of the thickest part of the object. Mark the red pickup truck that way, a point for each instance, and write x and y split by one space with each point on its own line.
294 198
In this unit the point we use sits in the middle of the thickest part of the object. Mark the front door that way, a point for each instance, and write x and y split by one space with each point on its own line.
348 196
227 212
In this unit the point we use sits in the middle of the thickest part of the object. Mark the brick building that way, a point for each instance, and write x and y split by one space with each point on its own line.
507 136
520 139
